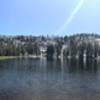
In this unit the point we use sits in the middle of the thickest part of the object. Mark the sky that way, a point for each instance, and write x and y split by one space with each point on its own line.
49 17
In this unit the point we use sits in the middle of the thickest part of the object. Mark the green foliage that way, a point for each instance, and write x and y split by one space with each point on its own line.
50 51
79 44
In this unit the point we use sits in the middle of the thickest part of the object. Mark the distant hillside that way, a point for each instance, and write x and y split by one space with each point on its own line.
79 45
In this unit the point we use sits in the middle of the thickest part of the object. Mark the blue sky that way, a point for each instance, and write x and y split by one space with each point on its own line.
42 17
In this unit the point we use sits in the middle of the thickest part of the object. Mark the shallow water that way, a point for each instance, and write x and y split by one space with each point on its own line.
39 79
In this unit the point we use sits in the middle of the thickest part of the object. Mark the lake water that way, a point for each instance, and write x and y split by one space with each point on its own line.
39 79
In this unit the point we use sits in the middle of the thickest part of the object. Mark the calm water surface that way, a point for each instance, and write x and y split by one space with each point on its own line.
39 79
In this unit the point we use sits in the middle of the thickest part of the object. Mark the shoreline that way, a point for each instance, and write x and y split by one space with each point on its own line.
7 57
14 57
35 57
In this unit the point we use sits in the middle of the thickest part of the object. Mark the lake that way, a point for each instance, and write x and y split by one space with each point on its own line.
40 79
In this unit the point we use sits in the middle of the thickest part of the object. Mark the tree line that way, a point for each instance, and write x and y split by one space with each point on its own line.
78 45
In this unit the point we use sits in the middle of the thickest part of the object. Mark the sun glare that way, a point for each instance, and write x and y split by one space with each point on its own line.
70 18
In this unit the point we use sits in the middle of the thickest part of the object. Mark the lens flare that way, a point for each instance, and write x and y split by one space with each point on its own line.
70 18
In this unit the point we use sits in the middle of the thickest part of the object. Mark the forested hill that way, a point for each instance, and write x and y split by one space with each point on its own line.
81 45
75 45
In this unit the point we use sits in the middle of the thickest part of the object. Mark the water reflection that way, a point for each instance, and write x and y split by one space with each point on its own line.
75 65
42 79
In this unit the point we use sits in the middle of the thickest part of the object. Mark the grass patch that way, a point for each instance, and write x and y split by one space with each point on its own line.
7 57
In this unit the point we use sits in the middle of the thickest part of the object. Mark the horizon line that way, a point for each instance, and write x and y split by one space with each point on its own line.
50 35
